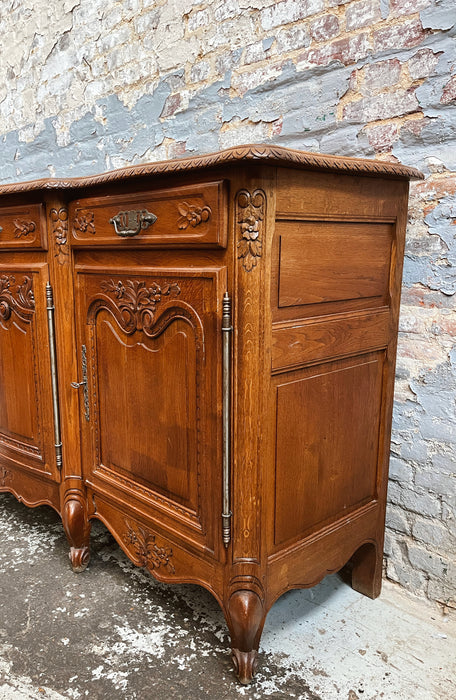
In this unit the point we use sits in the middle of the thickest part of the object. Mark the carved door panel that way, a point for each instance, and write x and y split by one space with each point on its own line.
150 341
26 408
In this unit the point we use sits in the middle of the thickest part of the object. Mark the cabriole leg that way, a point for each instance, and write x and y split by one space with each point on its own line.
245 616
77 529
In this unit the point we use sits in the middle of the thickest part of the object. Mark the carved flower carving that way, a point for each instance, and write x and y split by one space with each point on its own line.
136 301
84 222
250 228
192 215
23 228
146 549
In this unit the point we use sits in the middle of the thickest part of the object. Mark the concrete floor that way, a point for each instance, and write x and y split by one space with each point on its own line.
113 632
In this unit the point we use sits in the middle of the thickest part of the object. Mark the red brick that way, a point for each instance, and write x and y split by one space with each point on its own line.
403 35
382 106
420 296
407 7
347 50
381 75
423 63
276 129
352 81
449 92
382 137
177 149
362 14
436 188
325 28
172 104
289 11
293 38
415 126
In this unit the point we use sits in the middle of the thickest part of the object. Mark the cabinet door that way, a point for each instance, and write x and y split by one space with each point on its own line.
26 414
150 339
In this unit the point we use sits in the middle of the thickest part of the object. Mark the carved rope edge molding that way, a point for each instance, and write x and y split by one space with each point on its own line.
273 155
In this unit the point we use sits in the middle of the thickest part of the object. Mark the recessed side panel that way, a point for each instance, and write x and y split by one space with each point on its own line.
328 422
323 262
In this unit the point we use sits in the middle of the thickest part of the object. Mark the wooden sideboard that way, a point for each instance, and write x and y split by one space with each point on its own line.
200 353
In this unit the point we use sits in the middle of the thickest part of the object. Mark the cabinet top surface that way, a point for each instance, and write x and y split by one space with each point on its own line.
252 153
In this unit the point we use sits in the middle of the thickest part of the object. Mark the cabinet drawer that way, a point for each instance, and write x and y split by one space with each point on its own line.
23 227
193 214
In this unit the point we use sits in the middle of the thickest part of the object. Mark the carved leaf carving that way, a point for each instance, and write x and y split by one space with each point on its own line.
250 215
5 476
59 221
136 301
23 227
146 549
16 297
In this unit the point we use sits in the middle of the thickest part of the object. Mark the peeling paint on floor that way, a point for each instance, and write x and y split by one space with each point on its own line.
115 632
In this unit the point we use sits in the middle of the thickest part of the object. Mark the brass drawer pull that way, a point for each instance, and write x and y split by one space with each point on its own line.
129 223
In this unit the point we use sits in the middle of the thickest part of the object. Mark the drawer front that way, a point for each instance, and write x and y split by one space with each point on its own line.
23 227
193 214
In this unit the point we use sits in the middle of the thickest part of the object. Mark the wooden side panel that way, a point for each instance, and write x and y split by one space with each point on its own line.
324 261
336 268
330 194
328 423
309 341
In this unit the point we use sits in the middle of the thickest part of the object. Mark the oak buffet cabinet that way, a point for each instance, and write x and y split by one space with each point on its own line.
200 353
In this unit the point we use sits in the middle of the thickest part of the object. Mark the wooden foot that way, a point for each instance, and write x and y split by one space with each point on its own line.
77 529
367 570
245 616
245 664
79 558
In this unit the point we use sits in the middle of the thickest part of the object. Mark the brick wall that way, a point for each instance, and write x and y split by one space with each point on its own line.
87 85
